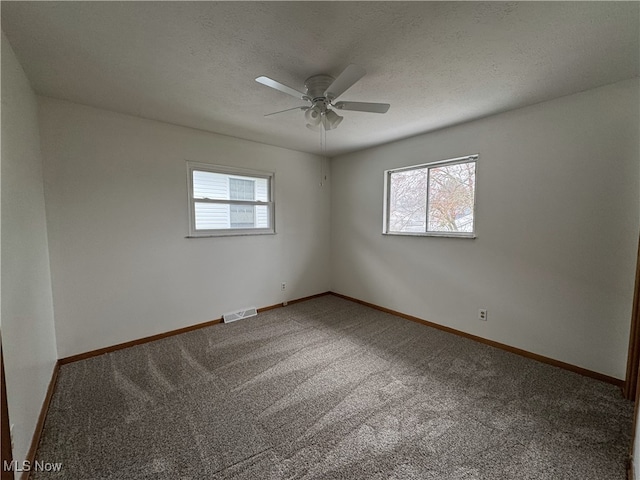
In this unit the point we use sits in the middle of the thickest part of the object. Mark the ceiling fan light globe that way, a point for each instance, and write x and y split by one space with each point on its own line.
312 115
332 120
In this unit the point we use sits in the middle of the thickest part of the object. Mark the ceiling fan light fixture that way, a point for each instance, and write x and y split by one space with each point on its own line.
331 120
313 116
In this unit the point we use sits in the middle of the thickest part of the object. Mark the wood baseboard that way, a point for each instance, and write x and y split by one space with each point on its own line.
304 299
291 302
37 433
534 356
133 343
152 338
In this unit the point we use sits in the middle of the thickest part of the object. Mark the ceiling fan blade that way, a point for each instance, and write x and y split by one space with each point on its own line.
288 110
345 80
363 107
269 82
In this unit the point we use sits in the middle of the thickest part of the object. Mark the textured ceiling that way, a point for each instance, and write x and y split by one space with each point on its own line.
436 63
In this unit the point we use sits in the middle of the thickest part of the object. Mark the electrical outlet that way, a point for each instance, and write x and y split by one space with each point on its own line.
482 314
283 286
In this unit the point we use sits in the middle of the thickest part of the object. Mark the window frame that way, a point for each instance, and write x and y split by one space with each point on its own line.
428 166
226 170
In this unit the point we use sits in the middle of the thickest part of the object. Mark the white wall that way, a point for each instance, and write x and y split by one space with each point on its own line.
116 192
28 336
557 226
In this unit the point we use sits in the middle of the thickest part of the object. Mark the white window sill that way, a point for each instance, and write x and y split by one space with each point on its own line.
230 234
432 234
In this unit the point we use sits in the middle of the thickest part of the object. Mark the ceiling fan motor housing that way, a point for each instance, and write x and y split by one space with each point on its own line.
316 86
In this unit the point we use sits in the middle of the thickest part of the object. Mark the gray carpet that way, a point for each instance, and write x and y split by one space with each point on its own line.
330 389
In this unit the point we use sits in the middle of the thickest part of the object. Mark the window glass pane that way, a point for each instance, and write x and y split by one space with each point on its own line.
262 189
211 216
262 216
221 186
241 189
242 216
214 186
214 216
408 201
451 197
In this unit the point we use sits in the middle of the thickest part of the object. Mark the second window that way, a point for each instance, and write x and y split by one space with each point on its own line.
432 199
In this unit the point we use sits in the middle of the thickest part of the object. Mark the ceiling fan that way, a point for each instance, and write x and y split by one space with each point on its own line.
321 93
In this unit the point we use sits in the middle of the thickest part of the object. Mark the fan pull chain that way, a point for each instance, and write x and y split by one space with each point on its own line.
323 147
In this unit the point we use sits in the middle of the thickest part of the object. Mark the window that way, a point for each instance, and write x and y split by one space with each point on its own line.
435 199
229 201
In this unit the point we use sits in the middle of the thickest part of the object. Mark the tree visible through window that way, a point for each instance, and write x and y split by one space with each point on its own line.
432 199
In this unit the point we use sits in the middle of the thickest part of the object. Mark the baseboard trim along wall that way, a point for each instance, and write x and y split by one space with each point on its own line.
534 356
133 343
557 363
37 433
152 338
